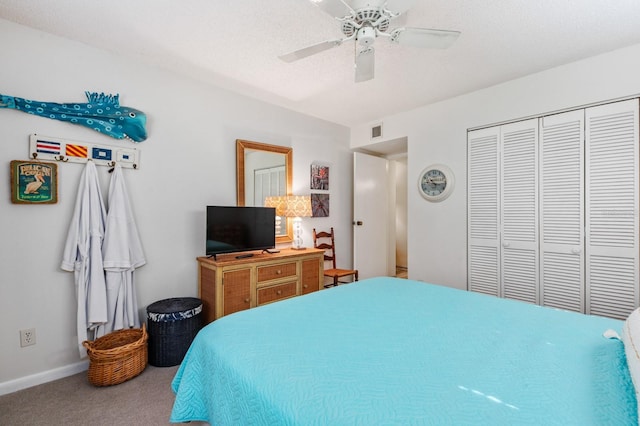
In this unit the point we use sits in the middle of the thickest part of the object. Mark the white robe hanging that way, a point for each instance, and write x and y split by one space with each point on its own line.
83 254
122 254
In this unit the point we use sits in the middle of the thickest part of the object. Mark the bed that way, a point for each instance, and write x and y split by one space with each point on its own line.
387 351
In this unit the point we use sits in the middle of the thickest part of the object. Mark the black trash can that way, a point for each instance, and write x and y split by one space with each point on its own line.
172 324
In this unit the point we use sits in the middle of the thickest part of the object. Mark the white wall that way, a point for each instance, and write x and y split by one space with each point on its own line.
437 134
187 162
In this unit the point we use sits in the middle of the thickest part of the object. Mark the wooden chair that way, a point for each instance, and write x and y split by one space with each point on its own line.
330 254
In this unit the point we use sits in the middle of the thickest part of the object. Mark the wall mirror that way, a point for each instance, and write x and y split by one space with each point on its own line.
264 170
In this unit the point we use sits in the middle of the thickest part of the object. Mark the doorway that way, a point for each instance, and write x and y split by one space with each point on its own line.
395 153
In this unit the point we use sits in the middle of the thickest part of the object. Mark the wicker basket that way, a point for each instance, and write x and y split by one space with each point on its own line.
117 356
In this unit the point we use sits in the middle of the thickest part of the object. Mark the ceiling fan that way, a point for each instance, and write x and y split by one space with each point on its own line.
365 20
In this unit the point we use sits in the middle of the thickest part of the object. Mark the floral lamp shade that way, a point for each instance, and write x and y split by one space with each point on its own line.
279 202
298 206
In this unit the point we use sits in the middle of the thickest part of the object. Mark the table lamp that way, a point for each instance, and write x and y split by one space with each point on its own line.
297 207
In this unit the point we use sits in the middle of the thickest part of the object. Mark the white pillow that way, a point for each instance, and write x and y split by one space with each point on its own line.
631 339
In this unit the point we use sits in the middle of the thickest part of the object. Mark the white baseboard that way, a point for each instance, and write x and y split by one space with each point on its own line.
43 377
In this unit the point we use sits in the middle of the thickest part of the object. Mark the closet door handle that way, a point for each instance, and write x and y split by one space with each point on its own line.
506 244
576 251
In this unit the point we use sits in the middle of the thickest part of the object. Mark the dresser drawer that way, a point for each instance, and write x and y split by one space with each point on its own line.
273 272
276 292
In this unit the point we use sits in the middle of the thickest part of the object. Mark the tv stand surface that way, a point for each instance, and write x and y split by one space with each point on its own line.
229 284
244 256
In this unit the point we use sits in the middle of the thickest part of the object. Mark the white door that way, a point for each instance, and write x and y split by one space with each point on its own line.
502 211
483 211
612 209
519 210
562 210
370 215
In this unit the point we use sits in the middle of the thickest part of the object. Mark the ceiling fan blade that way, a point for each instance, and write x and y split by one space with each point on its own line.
399 6
335 8
424 37
401 20
310 50
365 64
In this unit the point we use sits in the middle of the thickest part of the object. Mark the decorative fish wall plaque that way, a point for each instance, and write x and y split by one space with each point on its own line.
102 113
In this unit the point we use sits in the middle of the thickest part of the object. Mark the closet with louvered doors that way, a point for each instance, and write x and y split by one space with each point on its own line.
561 215
502 211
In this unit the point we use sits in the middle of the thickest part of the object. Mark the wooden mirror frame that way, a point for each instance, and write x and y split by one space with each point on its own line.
241 146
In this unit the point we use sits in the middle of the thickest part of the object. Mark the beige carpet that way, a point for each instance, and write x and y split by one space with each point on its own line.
144 400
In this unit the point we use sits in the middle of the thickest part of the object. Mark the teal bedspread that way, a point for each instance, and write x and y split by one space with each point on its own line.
386 351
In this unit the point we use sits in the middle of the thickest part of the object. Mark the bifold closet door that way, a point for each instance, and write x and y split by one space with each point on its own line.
612 209
562 210
483 228
519 210
502 211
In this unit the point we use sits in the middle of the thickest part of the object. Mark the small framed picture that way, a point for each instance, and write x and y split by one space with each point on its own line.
319 205
319 177
34 182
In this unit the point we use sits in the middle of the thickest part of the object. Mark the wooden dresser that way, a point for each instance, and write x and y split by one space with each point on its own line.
229 284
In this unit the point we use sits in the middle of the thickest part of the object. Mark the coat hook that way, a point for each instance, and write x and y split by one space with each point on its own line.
34 155
135 166
61 158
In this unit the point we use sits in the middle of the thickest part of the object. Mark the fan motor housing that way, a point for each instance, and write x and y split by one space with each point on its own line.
368 16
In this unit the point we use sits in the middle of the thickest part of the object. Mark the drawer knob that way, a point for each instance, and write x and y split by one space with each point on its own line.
305 286
279 292
246 300
278 272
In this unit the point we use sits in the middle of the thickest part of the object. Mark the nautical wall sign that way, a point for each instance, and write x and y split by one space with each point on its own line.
51 148
34 182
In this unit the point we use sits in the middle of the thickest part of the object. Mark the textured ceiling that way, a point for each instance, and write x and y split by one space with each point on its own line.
236 43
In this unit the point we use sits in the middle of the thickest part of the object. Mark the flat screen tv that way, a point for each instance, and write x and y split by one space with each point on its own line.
240 229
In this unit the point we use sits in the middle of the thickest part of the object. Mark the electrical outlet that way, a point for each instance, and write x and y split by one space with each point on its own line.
27 337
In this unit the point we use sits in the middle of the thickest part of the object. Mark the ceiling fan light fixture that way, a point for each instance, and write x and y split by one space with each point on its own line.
366 36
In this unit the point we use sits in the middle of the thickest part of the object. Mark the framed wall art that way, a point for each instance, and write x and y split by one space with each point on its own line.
34 182
319 177
320 205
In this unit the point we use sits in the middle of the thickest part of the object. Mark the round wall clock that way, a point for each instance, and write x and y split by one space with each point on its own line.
436 182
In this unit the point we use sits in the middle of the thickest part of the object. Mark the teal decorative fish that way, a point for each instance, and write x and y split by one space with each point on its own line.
103 114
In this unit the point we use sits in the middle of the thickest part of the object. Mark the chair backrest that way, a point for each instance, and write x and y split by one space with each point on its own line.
329 248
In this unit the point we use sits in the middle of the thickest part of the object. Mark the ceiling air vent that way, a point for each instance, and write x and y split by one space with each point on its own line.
376 131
